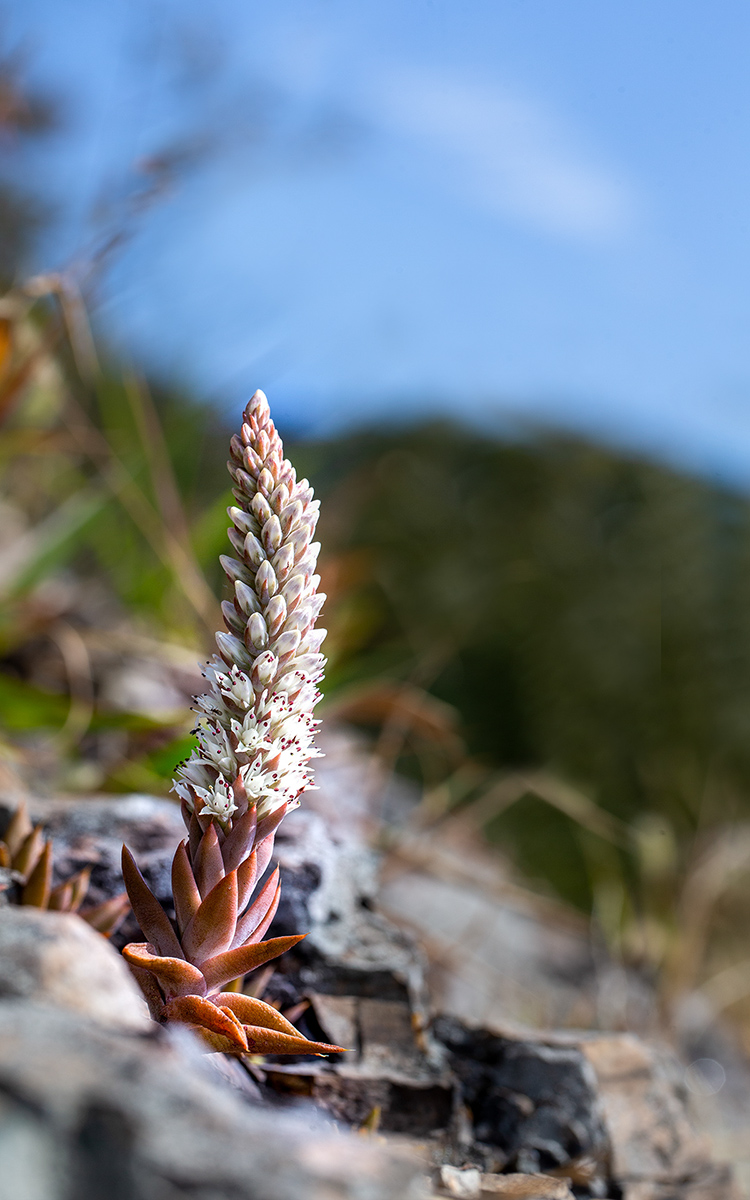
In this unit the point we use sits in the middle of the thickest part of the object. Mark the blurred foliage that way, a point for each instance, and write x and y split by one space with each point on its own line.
547 635
552 638
587 616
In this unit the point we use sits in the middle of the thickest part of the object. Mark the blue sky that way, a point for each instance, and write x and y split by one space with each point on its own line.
505 207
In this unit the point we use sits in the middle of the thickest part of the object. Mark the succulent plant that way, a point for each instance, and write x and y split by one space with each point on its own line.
28 858
251 764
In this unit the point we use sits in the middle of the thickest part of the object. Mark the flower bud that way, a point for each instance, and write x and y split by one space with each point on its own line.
253 550
266 584
257 632
240 519
275 613
246 598
264 669
271 534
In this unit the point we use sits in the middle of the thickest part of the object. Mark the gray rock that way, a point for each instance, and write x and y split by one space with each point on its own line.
91 832
88 1112
56 959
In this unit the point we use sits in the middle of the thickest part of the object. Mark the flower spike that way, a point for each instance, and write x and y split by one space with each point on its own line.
251 765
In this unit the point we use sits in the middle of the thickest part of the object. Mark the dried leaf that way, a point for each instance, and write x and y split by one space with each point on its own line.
37 889
18 829
105 917
79 887
27 856
60 897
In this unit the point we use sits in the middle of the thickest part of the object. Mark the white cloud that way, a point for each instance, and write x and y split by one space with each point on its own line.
507 153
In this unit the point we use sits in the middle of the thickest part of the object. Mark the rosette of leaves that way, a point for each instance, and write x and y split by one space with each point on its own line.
27 856
185 972
255 740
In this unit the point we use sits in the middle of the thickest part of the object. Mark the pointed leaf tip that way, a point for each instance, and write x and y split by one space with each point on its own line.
148 911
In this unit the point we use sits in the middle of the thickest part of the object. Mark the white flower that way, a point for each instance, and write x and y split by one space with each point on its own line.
258 783
251 734
237 687
219 802
214 745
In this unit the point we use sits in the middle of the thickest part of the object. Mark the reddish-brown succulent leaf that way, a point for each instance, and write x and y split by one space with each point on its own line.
208 865
255 1012
270 1041
240 795
239 841
265 924
151 990
247 874
265 853
270 824
19 828
250 920
105 917
194 1010
211 930
148 911
36 891
195 833
232 963
175 976
215 1043
29 852
60 897
186 813
80 885
234 1019
187 898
